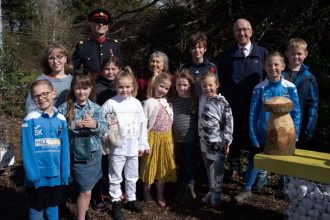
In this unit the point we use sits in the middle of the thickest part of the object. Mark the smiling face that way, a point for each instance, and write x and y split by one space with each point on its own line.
110 71
99 29
274 66
82 93
197 53
156 65
183 87
296 56
242 32
210 86
124 87
161 89
43 96
57 61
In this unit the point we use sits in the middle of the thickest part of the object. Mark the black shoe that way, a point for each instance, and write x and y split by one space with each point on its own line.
99 205
117 214
134 206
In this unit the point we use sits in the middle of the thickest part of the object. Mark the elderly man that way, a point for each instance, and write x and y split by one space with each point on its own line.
240 69
96 49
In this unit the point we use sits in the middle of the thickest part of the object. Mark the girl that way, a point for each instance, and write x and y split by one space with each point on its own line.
105 90
185 135
45 153
160 164
86 123
215 129
104 83
56 65
158 62
133 132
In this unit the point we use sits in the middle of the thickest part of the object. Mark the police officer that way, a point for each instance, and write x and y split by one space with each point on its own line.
92 52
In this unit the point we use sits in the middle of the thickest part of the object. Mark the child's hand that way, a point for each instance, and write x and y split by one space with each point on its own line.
226 149
141 152
78 124
89 122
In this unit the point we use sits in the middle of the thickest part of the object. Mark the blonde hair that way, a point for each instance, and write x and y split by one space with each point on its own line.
162 77
44 82
209 74
296 43
127 72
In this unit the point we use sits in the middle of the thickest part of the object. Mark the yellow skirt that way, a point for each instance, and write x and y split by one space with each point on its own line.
159 164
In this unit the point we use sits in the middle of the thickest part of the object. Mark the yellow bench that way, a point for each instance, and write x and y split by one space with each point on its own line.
308 165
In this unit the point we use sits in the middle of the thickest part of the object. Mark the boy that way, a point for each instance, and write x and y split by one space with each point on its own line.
198 64
274 85
299 74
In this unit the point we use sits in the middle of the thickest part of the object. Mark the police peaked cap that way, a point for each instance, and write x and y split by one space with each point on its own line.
100 14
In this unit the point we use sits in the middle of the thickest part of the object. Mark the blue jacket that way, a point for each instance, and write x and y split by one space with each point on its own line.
79 113
45 149
258 118
239 75
197 70
308 93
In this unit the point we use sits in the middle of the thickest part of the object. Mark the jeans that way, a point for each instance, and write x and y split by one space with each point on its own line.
51 213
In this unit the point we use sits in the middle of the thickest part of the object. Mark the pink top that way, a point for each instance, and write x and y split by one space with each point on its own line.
163 120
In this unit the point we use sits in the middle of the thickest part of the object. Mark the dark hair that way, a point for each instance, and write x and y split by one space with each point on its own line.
39 82
63 51
81 80
199 37
111 59
186 74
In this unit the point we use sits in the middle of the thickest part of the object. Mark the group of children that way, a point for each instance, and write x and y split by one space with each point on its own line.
166 130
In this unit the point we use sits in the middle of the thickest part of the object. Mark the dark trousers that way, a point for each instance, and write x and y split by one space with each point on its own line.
186 158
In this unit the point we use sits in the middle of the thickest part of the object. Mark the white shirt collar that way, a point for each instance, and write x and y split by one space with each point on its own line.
248 48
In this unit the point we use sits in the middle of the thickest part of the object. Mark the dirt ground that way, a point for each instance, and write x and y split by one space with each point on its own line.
268 204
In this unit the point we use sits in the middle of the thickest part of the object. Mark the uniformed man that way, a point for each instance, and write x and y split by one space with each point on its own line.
96 49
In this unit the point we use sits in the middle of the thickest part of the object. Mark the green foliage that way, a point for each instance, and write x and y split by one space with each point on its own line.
12 88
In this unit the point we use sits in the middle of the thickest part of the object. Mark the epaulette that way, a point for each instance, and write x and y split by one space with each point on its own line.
113 40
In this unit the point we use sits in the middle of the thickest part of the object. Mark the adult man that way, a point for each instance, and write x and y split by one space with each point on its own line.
240 69
96 49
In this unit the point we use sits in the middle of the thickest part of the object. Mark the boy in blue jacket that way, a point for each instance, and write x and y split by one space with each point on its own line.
308 93
45 153
274 85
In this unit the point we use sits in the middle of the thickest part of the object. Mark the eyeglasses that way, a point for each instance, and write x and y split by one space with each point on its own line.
42 95
57 58
242 29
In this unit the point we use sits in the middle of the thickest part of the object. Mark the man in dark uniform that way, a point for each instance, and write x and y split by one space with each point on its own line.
96 49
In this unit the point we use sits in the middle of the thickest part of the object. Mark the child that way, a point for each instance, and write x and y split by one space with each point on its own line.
85 120
185 135
105 90
45 153
198 64
104 83
274 85
57 67
133 132
159 165
158 62
299 74
215 128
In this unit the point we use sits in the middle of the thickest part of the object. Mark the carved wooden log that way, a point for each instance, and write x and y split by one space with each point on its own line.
281 135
